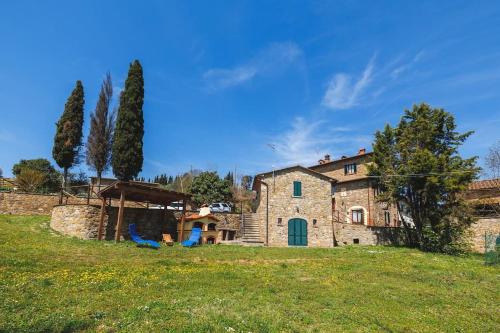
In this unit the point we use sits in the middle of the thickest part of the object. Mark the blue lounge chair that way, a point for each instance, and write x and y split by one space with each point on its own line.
137 239
194 238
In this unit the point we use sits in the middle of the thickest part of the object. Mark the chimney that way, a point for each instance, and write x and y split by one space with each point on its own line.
327 158
362 151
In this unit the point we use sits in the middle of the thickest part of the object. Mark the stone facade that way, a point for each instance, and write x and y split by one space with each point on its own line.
314 206
482 227
330 195
335 168
354 191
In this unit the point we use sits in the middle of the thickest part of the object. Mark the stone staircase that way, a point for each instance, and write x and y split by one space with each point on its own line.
251 229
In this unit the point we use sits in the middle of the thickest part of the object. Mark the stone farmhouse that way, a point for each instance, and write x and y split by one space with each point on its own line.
324 205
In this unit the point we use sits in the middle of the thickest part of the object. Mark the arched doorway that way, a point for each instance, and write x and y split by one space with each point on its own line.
297 232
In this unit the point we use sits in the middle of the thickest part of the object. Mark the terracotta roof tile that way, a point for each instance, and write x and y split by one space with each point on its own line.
485 184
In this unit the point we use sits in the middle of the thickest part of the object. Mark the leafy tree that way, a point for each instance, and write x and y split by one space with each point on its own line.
493 160
417 164
52 178
246 182
207 188
68 138
30 180
229 177
100 137
127 156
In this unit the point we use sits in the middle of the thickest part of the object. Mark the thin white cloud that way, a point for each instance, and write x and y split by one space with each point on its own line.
396 72
307 141
343 93
225 78
269 61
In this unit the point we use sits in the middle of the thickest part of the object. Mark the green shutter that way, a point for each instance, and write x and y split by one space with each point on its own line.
291 232
297 189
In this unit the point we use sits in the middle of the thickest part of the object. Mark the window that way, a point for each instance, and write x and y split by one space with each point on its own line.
297 189
357 216
377 190
280 221
211 226
350 169
355 240
387 218
333 189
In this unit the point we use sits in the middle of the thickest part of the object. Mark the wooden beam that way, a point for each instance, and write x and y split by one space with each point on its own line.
101 220
183 218
120 217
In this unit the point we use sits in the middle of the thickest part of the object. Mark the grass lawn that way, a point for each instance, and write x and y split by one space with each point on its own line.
51 283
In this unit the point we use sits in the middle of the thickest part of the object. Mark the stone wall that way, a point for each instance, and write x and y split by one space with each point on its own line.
27 204
359 194
18 203
82 221
314 204
79 221
480 228
335 169
347 234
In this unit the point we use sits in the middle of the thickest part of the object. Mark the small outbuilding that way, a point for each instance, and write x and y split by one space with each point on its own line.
207 223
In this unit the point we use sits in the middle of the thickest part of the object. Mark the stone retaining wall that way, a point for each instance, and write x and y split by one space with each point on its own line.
82 221
17 203
346 234
79 221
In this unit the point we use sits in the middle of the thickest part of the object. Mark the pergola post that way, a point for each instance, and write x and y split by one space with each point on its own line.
181 236
120 216
101 220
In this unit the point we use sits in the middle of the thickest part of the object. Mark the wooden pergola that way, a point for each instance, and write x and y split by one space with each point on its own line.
138 192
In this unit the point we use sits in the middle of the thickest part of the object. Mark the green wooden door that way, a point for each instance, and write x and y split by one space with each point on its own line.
297 232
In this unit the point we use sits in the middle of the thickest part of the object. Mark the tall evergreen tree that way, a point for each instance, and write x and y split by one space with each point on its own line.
101 131
127 156
68 138
418 166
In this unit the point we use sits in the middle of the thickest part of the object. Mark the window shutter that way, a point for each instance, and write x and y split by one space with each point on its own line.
297 189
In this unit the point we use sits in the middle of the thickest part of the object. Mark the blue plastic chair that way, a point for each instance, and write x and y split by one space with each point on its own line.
138 240
194 238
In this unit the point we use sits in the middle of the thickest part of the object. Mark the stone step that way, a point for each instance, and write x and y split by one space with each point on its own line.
251 240
253 226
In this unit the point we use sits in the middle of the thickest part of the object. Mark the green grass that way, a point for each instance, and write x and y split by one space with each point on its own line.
51 283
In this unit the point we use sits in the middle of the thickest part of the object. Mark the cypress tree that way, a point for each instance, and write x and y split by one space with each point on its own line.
68 138
101 131
127 156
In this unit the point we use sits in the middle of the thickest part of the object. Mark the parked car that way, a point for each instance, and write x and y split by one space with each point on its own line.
220 207
177 205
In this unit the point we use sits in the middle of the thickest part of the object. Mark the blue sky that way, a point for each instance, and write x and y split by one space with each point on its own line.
225 81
